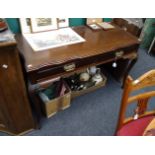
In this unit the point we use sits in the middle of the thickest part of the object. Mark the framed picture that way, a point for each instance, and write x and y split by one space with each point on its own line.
94 20
43 24
63 22
106 26
53 39
93 23
25 25
94 26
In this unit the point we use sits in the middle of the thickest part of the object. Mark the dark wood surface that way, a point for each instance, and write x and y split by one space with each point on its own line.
129 27
96 43
15 111
100 47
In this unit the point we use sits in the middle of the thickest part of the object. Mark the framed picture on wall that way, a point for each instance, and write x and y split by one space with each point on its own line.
63 22
25 25
43 24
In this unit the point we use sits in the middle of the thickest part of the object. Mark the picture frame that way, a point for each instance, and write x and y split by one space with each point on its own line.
106 26
63 22
43 24
94 27
92 23
53 39
94 20
25 25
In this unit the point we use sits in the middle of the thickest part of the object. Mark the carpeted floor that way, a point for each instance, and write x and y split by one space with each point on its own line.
96 113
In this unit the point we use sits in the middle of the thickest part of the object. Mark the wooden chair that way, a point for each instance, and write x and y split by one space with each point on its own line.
135 125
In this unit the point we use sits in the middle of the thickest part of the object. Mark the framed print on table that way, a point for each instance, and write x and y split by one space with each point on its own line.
93 23
53 39
25 25
63 22
43 24
94 20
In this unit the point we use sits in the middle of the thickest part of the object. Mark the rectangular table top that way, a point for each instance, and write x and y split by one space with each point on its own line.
97 42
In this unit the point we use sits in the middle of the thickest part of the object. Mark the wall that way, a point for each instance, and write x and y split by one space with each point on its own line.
15 26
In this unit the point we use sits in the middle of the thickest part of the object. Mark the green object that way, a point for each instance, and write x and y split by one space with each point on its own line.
50 91
149 33
107 19
77 21
15 26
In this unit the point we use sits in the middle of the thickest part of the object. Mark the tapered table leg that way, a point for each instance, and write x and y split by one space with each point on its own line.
129 67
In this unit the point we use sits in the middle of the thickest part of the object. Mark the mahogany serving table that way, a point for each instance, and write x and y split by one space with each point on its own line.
101 47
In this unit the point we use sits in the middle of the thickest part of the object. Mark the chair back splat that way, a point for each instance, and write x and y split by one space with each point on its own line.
146 80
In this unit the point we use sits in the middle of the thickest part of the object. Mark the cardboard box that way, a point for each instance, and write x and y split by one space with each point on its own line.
51 107
90 89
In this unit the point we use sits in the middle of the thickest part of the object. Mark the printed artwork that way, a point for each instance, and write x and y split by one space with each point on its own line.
43 24
43 21
53 39
33 25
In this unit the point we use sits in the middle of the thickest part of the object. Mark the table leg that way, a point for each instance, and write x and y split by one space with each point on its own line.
129 67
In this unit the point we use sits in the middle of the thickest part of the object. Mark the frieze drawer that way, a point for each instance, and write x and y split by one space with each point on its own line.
65 68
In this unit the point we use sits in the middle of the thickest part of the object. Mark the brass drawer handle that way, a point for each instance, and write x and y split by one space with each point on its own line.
69 67
119 54
4 66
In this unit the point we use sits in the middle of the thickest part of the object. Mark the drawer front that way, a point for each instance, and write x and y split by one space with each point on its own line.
72 66
54 71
